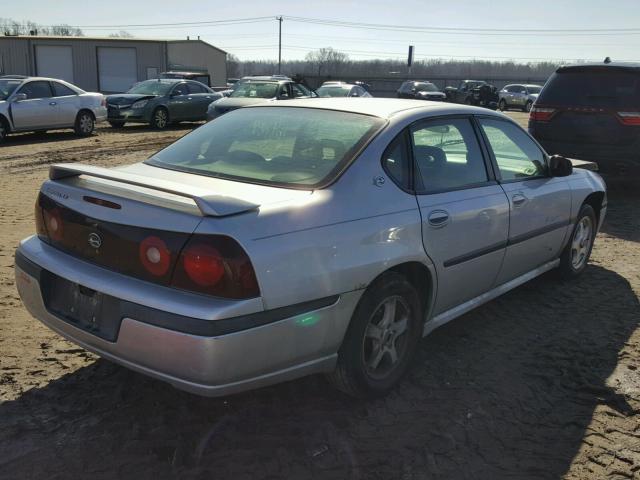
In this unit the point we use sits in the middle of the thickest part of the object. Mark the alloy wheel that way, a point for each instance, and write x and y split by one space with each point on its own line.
86 123
581 242
161 118
385 341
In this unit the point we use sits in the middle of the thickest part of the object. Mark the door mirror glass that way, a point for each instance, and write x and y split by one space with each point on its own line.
18 97
560 166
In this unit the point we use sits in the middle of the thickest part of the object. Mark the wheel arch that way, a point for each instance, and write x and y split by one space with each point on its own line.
595 200
88 110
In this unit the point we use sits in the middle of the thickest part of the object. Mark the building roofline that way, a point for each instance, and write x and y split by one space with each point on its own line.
196 40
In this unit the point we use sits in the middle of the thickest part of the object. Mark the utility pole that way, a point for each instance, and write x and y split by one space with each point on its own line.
279 44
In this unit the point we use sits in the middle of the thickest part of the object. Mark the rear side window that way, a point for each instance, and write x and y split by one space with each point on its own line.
517 156
197 88
592 87
37 89
396 161
447 156
60 90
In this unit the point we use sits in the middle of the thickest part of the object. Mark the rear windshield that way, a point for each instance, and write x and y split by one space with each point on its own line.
597 88
333 91
426 87
303 147
255 90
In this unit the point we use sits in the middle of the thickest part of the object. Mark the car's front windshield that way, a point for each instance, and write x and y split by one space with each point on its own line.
7 87
152 87
333 91
534 89
426 87
255 90
287 146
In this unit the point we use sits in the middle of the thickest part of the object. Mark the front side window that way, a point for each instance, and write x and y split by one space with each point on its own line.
180 89
517 156
447 156
300 147
299 91
60 90
37 89
196 88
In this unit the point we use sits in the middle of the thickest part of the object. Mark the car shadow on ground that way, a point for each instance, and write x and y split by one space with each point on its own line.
507 391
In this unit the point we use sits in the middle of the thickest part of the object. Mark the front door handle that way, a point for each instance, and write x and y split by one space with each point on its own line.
52 103
438 218
518 199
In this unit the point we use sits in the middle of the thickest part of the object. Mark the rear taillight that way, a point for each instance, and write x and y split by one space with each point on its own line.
215 265
541 114
629 118
41 230
103 102
54 224
155 256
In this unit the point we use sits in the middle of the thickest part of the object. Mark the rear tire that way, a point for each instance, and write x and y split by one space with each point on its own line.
116 124
575 256
502 106
85 124
527 106
159 118
381 339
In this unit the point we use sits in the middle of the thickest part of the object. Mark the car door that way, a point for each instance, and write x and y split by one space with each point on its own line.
68 104
540 205
178 102
38 110
198 100
519 95
465 213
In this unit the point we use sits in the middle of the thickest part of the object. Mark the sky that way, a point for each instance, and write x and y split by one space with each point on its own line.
483 29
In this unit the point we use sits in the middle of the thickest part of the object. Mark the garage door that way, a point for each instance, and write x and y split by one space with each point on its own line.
54 61
117 69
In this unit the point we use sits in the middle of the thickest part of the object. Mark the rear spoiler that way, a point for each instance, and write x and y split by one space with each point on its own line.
587 165
210 205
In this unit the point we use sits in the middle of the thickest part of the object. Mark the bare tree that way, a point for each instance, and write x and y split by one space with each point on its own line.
326 61
121 34
233 66
9 26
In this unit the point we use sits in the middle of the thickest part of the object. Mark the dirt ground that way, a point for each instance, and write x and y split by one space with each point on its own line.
541 383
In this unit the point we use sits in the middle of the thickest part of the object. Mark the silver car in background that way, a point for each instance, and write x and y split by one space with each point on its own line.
300 237
518 96
38 103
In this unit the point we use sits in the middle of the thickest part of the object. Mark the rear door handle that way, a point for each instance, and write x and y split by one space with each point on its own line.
52 103
438 218
518 199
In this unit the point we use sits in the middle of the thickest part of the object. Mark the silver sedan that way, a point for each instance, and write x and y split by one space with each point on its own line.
37 103
316 236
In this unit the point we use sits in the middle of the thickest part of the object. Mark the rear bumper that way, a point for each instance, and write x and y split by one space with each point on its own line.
100 113
211 365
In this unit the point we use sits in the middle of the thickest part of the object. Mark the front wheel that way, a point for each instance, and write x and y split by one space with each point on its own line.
85 124
160 119
381 339
502 105
576 254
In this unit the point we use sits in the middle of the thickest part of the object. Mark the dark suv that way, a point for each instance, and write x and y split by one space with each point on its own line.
420 90
591 112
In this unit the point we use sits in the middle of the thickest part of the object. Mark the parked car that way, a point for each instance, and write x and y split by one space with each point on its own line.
30 104
201 77
464 93
253 90
591 111
360 83
299 237
341 90
420 90
160 103
518 96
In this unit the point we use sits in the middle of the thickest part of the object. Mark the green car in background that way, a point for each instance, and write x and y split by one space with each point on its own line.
161 102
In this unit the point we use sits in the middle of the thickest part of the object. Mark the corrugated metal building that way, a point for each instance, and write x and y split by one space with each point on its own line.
108 64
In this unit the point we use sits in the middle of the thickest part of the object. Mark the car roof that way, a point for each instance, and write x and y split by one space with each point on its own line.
165 80
630 66
377 107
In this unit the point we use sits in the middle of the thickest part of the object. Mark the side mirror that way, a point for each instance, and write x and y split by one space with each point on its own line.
18 97
560 166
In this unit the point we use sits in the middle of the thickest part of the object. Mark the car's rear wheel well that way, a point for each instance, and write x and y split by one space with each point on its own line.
420 277
87 110
595 199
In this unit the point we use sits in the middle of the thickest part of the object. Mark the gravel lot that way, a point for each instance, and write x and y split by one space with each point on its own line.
539 384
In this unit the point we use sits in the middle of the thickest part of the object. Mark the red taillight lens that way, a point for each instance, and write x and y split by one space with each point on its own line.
203 264
629 118
215 265
41 230
155 256
103 102
53 224
541 114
